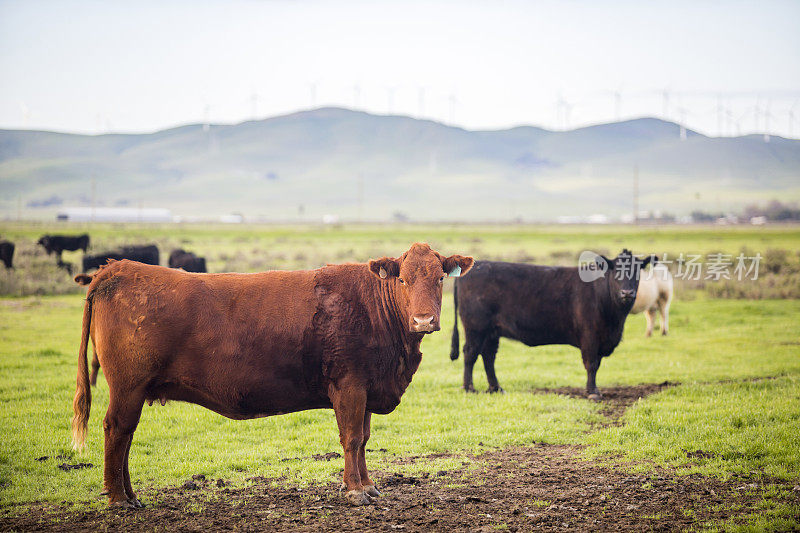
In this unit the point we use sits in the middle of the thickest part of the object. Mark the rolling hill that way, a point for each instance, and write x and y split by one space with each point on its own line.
355 164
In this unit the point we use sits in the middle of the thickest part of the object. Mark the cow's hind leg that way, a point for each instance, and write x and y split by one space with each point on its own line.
649 316
472 347
366 482
591 361
119 424
349 403
95 367
663 307
489 353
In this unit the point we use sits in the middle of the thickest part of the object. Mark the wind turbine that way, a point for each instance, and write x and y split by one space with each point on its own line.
312 87
757 111
26 113
664 103
390 99
729 121
563 110
682 111
791 119
254 98
453 101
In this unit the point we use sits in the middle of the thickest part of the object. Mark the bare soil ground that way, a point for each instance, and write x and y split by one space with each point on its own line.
538 487
615 399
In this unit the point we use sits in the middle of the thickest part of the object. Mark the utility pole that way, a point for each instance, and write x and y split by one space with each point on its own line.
94 197
360 195
635 194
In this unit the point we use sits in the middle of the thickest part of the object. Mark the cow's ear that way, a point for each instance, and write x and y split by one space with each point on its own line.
83 279
385 267
457 265
609 262
648 259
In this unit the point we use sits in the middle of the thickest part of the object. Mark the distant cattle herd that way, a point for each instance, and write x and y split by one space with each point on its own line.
147 254
344 337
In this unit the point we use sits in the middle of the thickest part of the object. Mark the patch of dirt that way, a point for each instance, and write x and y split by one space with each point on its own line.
522 489
539 487
78 466
615 400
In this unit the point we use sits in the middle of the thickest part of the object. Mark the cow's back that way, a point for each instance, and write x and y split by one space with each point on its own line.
232 342
530 303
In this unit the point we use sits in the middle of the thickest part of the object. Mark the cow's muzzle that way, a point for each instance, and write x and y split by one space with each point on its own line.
424 324
627 296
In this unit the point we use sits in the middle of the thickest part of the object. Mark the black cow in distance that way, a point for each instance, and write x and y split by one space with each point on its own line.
144 254
540 305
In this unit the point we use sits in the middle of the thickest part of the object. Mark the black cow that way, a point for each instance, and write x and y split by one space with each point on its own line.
55 244
187 261
7 253
540 305
144 254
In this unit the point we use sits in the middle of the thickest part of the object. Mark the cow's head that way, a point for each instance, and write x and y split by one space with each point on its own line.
418 275
623 276
45 242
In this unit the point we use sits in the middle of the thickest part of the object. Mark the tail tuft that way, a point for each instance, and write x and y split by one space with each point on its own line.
82 403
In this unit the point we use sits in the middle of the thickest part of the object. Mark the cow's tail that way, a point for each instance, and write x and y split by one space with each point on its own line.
454 349
82 403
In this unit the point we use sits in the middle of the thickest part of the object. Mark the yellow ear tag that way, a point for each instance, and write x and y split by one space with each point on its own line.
455 272
382 273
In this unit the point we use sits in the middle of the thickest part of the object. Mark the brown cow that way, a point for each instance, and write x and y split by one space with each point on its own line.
345 337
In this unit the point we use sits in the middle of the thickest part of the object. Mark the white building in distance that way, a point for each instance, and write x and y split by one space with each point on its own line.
114 214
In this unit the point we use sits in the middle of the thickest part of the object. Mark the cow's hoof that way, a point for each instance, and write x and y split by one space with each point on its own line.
470 389
664 333
595 396
372 490
358 497
136 503
499 390
122 504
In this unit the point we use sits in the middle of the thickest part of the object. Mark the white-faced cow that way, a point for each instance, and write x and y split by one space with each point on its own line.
654 295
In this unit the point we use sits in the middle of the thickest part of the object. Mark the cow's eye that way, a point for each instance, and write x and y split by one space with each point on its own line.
441 280
402 281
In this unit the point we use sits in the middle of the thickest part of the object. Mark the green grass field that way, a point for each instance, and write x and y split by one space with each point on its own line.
737 362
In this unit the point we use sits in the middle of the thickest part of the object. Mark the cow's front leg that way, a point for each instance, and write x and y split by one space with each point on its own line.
366 482
349 403
591 361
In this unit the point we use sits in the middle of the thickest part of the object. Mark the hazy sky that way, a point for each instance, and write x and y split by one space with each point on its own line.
142 66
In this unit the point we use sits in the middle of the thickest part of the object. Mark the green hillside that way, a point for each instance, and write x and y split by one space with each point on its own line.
326 159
